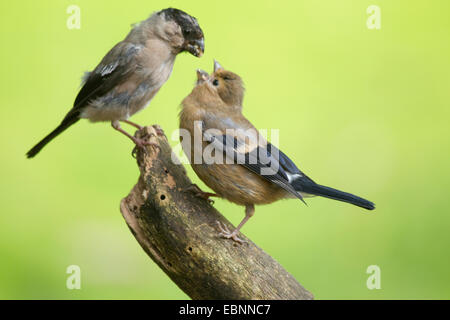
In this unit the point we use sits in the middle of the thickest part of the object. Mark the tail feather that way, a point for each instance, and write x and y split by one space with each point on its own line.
67 122
334 194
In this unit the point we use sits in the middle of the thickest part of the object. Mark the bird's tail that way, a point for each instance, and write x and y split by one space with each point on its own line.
327 192
69 120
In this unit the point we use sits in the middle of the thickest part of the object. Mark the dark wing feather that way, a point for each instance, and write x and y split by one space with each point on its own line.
282 171
260 161
115 68
288 165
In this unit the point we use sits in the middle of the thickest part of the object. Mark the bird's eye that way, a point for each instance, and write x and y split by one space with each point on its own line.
215 82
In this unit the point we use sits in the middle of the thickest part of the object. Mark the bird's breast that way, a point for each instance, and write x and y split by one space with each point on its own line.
153 79
237 184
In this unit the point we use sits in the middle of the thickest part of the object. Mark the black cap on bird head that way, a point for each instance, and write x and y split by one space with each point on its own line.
194 41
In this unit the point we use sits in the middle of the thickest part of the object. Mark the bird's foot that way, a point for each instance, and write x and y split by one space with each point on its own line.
158 129
134 124
141 143
225 233
201 194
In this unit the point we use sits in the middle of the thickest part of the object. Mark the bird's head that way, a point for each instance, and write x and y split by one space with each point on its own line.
228 85
182 31
222 89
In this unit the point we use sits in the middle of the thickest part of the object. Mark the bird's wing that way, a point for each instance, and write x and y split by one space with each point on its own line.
115 68
264 159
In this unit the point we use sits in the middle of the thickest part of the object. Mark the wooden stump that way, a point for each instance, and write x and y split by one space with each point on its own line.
178 230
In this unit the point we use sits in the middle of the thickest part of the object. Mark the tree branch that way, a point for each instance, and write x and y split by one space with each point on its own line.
178 230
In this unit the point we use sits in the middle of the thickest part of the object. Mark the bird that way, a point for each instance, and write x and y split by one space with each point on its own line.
228 154
132 72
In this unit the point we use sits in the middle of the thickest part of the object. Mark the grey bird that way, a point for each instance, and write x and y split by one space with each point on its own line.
132 72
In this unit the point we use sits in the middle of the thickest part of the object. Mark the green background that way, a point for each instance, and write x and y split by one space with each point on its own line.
366 111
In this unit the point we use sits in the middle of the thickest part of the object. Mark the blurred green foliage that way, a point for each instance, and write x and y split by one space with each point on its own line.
366 111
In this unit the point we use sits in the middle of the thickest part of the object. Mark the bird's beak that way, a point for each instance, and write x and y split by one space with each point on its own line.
196 47
202 75
217 66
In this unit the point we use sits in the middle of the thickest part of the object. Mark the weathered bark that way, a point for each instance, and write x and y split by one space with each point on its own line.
178 230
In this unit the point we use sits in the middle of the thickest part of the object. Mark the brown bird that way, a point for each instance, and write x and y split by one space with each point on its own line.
132 72
233 159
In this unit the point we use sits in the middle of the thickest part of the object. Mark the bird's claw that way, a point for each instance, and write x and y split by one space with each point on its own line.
201 194
143 143
140 143
158 129
206 197
225 233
